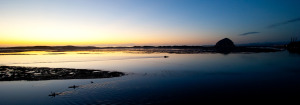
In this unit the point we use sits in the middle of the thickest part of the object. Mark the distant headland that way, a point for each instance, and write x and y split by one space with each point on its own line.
224 46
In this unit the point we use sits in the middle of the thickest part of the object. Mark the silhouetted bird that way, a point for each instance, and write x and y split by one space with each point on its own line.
53 94
74 86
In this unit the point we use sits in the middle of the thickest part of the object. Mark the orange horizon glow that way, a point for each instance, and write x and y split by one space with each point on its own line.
35 28
112 42
55 32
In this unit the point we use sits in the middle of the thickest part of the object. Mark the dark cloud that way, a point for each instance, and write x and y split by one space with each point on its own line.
284 23
249 33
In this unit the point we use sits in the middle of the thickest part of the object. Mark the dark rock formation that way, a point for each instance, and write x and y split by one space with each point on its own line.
12 73
225 46
294 47
225 43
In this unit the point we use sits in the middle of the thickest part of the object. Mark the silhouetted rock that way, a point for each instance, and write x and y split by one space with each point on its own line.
294 47
11 73
225 43
225 46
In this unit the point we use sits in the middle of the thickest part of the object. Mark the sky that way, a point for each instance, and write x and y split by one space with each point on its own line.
146 22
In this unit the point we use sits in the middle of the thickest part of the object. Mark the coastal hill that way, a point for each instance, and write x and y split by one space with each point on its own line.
225 46
294 46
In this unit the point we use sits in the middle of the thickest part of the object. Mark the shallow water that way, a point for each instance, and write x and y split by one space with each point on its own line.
153 79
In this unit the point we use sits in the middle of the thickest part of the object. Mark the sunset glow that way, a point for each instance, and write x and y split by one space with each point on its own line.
135 22
141 52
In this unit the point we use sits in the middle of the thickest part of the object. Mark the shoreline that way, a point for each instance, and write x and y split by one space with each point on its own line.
145 49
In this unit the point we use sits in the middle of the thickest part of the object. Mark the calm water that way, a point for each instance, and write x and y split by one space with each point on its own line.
153 79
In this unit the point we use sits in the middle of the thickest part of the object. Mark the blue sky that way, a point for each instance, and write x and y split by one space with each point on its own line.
146 22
